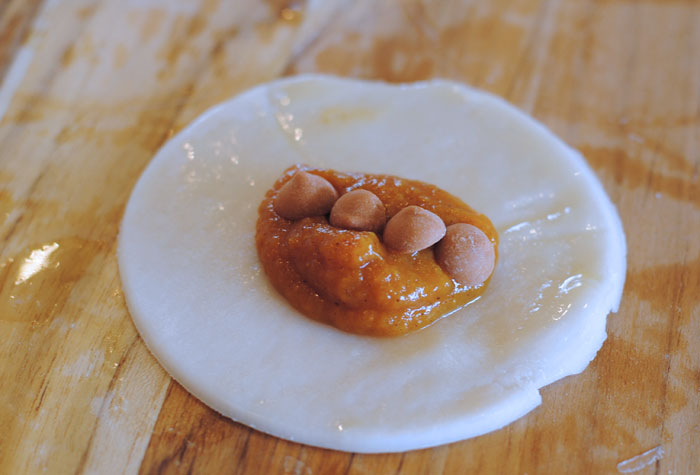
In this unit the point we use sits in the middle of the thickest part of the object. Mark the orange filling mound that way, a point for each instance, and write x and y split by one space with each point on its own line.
350 279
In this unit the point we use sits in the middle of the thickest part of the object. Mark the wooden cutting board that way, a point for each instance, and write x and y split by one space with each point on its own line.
91 89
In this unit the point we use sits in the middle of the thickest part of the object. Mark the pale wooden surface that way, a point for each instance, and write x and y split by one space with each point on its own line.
90 91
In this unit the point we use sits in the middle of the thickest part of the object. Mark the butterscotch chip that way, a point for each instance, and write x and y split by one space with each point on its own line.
466 254
413 229
305 195
359 210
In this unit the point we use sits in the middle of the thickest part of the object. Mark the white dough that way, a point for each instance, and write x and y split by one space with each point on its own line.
198 295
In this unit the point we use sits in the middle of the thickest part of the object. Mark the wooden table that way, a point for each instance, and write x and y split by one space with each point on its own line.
91 89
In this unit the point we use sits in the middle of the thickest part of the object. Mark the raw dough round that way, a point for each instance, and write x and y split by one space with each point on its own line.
197 294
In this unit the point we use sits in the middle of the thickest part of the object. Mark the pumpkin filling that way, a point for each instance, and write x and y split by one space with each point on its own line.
369 254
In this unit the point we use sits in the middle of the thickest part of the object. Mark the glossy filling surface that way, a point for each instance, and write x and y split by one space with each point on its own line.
350 279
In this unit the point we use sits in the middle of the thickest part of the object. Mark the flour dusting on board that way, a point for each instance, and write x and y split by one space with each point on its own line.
640 461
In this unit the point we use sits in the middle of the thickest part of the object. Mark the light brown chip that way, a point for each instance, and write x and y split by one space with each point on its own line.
305 195
359 210
466 254
413 229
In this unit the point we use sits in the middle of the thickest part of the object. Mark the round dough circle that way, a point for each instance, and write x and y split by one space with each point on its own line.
202 304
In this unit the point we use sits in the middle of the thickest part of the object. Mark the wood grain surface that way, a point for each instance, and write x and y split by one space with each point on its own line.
91 89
